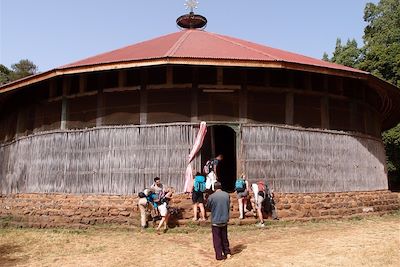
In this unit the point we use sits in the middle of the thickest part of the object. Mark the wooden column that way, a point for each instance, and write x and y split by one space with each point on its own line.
325 112
21 122
100 106
52 88
82 83
308 81
122 78
289 108
243 98
170 76
220 76
143 97
64 106
194 106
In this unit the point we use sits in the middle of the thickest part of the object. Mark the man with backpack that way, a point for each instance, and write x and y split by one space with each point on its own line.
211 170
241 186
199 186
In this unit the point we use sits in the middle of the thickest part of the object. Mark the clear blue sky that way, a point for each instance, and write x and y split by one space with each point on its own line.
52 33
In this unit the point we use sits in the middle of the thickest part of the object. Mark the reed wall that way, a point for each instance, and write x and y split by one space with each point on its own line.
305 161
109 160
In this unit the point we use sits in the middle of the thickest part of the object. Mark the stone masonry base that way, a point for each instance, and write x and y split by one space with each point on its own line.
81 211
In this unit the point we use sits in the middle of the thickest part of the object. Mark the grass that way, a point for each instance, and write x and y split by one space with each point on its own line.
363 241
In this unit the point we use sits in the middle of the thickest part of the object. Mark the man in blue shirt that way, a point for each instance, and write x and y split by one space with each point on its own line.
219 204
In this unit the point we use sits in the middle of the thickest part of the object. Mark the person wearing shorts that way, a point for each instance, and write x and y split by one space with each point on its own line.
242 194
163 210
198 202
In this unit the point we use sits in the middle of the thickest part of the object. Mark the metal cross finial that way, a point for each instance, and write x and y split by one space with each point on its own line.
192 4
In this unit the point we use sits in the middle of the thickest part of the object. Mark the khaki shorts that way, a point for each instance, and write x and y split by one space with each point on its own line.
259 200
163 209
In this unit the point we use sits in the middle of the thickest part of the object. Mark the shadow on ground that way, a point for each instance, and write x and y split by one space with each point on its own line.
6 252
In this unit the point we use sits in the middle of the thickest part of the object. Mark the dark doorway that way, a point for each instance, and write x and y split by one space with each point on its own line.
221 139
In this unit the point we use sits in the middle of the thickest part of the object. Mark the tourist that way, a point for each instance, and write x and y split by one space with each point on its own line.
241 188
157 186
212 172
143 205
219 204
259 193
199 186
163 205
269 203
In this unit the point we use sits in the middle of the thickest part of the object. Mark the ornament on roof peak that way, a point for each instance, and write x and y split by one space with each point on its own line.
191 20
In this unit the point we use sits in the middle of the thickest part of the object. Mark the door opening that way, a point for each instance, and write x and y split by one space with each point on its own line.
221 139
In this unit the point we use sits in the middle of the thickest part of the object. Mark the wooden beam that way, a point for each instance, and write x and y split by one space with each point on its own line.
170 75
82 83
143 97
122 78
308 81
243 98
194 106
220 76
289 109
66 84
52 88
100 106
325 112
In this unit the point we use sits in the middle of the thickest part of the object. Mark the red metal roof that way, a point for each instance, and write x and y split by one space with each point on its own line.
198 44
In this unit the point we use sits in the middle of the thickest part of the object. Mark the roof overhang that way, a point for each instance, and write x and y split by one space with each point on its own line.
389 94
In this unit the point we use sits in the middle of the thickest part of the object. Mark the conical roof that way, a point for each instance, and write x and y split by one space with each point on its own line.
199 44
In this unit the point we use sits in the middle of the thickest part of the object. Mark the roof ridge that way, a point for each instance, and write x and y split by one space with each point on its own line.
241 45
177 44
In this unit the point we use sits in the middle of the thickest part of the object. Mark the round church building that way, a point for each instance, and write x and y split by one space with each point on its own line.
105 126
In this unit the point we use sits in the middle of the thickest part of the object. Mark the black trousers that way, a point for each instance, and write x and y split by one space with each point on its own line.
220 241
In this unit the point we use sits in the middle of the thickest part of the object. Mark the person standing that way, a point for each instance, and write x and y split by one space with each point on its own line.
211 168
158 187
258 193
143 203
199 187
241 188
219 204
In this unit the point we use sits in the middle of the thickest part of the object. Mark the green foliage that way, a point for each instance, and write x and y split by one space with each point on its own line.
382 40
381 57
348 54
18 71
22 69
4 74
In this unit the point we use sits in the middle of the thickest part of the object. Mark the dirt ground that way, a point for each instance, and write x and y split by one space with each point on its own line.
371 241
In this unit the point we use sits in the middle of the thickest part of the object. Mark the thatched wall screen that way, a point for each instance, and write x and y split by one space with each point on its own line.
311 161
111 160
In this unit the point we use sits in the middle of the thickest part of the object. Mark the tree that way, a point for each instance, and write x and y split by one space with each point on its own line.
4 74
381 57
22 69
391 139
382 40
348 55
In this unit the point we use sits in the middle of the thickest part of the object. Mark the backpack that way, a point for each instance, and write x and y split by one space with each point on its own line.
261 186
240 185
208 167
199 183
267 205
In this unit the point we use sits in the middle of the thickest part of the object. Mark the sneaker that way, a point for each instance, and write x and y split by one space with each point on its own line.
228 256
261 225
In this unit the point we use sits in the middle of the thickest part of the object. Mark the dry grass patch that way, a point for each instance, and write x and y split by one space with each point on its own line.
372 241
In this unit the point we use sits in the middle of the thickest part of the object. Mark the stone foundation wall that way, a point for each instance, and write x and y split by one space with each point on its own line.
63 210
